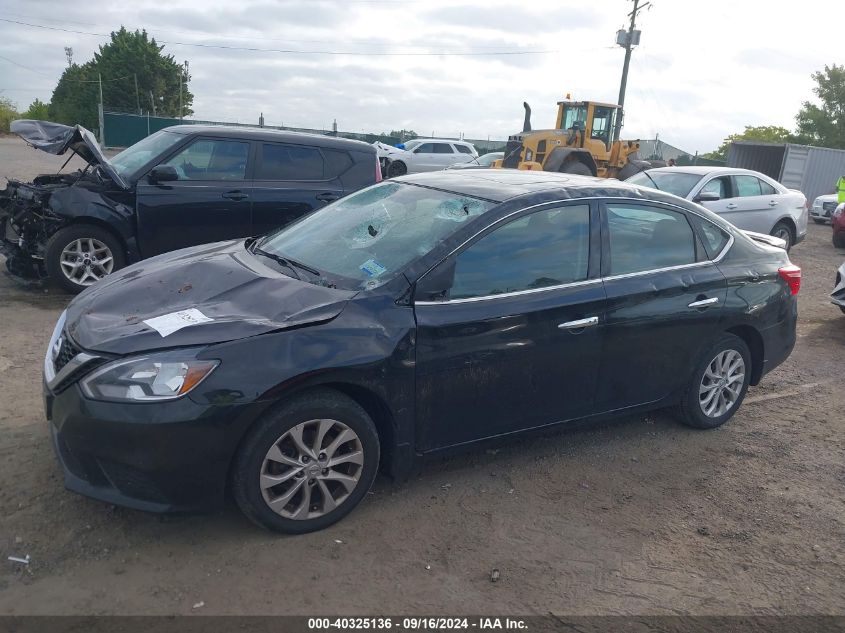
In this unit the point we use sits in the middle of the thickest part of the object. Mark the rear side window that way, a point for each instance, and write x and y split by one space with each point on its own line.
290 162
747 186
715 239
337 162
766 189
647 238
545 248
463 149
443 148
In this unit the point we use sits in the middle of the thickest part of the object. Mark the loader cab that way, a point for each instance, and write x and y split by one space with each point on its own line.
597 120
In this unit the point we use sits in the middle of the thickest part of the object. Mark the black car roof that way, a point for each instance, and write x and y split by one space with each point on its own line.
267 134
499 185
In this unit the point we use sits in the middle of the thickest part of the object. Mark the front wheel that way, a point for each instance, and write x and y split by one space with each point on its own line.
396 168
307 464
718 385
839 240
80 255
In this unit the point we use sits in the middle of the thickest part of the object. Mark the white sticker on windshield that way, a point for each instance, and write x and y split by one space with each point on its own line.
170 323
373 268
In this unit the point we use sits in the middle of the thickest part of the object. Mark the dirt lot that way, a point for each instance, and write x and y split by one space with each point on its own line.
641 516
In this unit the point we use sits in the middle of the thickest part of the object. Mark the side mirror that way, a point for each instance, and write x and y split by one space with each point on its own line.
163 173
435 285
707 196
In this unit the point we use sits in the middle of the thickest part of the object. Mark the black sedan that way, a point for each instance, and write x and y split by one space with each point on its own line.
417 315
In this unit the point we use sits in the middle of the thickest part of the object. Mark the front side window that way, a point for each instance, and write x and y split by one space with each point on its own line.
647 238
719 186
289 162
210 159
424 148
572 114
371 235
747 186
545 248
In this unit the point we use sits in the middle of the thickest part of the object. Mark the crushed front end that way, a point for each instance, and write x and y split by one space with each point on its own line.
26 223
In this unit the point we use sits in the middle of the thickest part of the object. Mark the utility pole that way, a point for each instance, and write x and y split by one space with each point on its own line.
100 115
627 40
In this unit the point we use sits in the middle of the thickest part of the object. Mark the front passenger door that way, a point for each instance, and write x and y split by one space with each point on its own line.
210 201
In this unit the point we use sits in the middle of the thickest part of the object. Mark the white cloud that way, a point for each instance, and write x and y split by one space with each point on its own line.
703 71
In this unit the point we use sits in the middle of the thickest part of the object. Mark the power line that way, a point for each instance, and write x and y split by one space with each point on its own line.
297 52
82 81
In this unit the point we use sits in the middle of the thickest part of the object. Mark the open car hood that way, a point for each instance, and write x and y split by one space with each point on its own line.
235 294
55 138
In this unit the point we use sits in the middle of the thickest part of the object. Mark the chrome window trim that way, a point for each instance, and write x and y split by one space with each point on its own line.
585 282
72 366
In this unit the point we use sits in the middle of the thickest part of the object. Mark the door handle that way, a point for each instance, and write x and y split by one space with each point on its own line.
703 303
235 195
731 206
327 197
773 203
580 324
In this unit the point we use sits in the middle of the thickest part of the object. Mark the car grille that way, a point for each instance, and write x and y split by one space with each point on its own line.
131 482
66 352
828 206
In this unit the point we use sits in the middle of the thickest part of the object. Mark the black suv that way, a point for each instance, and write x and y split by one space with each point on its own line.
182 186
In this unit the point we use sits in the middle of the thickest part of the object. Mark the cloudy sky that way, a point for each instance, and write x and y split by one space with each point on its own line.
703 69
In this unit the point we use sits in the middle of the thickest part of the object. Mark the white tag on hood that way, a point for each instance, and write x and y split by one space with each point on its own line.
170 323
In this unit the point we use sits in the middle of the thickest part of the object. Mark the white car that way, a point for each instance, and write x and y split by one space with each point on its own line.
823 207
747 199
424 154
837 297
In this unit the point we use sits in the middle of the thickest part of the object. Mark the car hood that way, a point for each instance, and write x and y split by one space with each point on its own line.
237 292
55 138
830 197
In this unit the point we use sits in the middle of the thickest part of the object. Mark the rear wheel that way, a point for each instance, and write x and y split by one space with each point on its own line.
718 386
576 167
307 464
80 255
784 232
819 220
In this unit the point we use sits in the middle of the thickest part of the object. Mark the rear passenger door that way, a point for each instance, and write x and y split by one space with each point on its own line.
664 301
292 180
752 210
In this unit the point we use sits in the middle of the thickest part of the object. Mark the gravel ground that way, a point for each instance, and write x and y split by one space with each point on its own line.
641 516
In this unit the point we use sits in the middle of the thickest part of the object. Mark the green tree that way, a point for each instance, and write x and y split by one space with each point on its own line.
129 56
8 113
37 110
762 134
825 125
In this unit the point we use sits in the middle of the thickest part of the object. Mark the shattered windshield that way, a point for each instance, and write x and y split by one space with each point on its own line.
133 158
373 234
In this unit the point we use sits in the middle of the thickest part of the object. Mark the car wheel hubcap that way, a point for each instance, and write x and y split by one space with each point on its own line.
86 260
722 383
784 234
311 469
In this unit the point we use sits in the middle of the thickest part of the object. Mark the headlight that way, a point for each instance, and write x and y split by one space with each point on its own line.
151 378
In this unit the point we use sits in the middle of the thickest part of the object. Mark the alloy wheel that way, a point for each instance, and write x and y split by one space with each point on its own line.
722 383
311 469
86 260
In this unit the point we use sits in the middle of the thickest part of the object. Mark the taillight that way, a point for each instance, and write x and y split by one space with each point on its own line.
791 275
378 169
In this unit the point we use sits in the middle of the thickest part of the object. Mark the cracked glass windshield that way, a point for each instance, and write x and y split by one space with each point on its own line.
371 235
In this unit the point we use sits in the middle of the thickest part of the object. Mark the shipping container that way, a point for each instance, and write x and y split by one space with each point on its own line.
812 170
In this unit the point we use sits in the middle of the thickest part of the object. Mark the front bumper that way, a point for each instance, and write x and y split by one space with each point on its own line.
160 457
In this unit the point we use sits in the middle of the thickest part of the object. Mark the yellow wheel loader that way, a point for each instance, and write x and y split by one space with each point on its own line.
580 143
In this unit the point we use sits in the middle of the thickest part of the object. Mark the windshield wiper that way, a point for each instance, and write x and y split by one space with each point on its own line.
287 262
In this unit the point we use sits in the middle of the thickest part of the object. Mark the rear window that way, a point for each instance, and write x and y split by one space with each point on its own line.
290 162
674 182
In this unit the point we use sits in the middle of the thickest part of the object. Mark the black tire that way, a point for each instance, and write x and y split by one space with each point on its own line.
63 238
785 232
632 167
819 221
396 168
839 240
689 410
576 168
842 308
315 405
